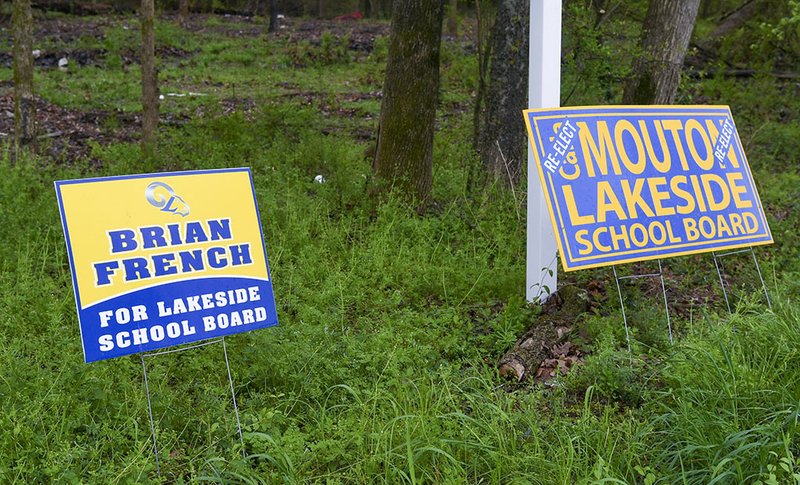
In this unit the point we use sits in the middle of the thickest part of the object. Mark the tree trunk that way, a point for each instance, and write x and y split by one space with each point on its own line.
731 23
502 138
272 13
403 158
183 11
149 80
665 38
386 7
24 102
484 24
452 19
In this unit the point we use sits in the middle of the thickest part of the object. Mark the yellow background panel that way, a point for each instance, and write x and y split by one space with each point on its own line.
93 208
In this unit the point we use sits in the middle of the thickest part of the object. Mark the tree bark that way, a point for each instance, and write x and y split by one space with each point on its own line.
386 7
149 80
666 34
550 328
403 158
24 102
452 19
731 23
502 138
183 11
272 9
484 25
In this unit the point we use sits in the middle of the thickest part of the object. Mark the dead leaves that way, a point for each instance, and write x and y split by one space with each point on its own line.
564 356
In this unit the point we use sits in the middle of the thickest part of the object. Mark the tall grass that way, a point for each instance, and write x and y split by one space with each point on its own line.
382 369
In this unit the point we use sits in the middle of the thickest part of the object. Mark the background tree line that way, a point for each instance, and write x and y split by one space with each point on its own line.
405 134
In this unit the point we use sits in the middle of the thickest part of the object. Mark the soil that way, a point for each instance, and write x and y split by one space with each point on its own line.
65 134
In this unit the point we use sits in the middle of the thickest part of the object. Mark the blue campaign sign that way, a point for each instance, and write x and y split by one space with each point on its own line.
631 183
165 259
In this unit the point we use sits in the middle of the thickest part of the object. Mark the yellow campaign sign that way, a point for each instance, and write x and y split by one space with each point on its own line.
630 183
163 259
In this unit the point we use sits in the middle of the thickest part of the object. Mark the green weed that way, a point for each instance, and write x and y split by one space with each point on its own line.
382 369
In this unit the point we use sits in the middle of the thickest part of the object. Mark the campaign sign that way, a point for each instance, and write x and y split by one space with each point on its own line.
631 183
165 259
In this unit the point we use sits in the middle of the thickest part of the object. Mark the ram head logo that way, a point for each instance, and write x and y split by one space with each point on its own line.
161 196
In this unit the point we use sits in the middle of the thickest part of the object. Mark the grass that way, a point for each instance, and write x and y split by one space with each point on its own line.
383 366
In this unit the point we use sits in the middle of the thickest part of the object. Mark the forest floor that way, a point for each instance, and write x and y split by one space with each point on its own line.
384 365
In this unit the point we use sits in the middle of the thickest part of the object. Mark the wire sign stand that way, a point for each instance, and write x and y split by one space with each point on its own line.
618 278
660 275
143 355
717 264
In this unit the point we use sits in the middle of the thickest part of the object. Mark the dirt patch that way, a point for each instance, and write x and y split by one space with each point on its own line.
238 105
67 135
331 106
87 57
228 25
163 54
361 34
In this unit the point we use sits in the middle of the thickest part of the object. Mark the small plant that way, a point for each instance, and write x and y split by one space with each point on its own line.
781 468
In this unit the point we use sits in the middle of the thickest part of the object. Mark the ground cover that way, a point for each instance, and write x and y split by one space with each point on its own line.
383 367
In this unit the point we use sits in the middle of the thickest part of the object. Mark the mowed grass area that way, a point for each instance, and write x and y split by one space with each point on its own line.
382 369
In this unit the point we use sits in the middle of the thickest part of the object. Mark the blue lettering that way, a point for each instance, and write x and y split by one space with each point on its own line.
163 264
240 254
216 258
122 240
104 272
220 229
191 260
153 237
195 233
135 269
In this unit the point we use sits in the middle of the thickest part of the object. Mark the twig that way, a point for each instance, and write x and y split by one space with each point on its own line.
54 134
510 179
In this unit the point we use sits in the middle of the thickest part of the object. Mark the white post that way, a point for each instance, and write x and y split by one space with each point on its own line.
544 91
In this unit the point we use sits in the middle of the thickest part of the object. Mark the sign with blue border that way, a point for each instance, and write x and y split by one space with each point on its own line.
165 259
632 183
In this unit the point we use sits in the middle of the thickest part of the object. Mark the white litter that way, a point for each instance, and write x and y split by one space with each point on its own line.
183 95
319 179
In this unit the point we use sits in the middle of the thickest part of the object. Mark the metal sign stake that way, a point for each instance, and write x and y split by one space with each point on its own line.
624 318
717 263
233 396
150 413
149 402
660 274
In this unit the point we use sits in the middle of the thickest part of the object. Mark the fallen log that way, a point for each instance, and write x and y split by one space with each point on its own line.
551 327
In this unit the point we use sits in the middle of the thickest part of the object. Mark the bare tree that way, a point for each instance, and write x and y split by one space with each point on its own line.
452 19
149 80
502 138
404 154
24 102
485 15
665 38
272 13
731 22
183 11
